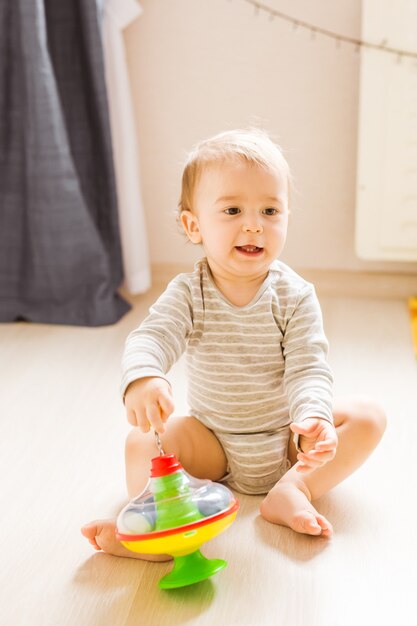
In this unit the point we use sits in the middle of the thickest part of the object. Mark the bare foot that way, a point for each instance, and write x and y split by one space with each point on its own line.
288 505
102 536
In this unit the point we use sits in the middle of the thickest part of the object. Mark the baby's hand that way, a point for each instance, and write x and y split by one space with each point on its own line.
149 403
318 442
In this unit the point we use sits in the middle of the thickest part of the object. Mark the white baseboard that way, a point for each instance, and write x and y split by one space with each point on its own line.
362 284
327 282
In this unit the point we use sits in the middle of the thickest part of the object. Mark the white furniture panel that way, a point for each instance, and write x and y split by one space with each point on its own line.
386 209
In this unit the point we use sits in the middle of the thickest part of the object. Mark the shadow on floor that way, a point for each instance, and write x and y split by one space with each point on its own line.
112 582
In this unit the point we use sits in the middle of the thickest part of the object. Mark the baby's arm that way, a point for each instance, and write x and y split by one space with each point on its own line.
308 381
149 354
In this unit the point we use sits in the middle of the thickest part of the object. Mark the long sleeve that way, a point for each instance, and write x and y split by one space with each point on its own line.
154 347
308 379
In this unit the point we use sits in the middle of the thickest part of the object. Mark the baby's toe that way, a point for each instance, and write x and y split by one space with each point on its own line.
326 527
90 532
305 522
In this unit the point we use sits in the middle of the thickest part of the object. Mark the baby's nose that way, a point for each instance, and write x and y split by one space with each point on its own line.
253 228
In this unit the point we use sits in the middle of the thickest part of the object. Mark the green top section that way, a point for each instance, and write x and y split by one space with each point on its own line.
173 501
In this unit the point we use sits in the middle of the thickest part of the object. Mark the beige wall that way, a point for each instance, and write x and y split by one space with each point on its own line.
201 66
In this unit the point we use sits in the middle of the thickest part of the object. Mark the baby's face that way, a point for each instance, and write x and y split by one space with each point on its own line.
240 216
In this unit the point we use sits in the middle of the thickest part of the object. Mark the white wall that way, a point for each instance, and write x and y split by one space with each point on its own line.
201 66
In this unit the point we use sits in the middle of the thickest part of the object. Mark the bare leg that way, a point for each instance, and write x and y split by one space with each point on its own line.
194 445
360 425
198 451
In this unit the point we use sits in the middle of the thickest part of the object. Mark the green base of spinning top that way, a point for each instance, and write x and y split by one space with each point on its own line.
189 569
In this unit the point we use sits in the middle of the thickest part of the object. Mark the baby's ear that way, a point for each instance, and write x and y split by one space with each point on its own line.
190 224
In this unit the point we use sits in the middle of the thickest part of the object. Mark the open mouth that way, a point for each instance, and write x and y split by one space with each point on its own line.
249 250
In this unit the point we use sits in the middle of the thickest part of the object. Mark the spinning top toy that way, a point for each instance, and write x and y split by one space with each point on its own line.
175 515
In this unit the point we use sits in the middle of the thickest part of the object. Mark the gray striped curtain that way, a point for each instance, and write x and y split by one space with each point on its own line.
60 257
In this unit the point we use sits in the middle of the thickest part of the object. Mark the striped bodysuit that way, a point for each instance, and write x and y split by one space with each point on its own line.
251 370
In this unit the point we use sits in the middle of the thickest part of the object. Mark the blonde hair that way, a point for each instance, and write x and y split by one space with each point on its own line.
251 145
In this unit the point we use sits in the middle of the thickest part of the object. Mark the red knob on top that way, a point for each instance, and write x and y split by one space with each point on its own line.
165 464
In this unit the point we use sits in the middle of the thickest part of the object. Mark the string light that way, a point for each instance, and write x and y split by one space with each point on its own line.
313 29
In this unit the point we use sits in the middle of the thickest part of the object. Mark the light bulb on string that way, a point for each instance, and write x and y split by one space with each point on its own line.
339 39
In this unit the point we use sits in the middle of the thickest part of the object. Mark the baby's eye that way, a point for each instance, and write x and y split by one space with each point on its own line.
232 211
270 211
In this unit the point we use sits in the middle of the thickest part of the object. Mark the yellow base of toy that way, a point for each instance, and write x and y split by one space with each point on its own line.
180 543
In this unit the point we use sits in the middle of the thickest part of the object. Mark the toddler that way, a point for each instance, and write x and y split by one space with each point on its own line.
252 332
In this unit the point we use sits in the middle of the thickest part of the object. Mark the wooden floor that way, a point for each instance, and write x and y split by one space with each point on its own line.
61 462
